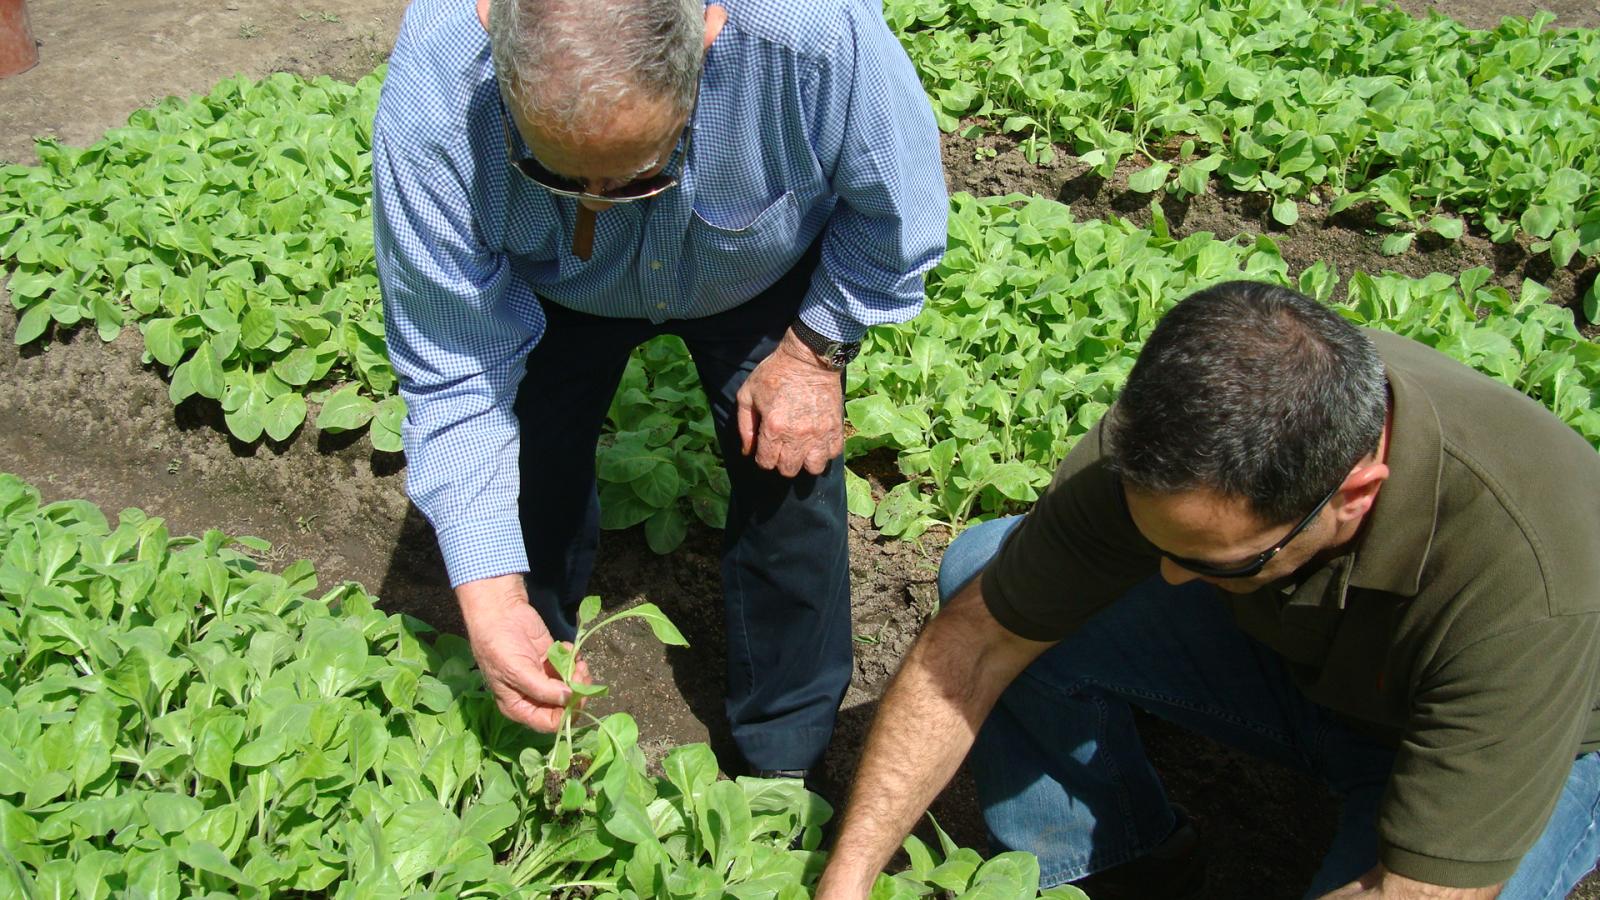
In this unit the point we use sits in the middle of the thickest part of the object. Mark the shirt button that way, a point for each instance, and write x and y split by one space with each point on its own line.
655 264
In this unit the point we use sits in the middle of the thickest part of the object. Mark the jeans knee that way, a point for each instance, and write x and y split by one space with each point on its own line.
970 552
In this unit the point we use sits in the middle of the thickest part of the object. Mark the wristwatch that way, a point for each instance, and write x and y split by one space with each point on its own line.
837 354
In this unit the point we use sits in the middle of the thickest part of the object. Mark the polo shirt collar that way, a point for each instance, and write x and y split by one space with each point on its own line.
1393 552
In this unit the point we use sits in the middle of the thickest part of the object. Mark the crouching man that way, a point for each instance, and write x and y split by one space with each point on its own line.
1331 547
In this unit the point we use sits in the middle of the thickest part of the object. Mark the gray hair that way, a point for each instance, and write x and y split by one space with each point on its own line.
1253 391
566 61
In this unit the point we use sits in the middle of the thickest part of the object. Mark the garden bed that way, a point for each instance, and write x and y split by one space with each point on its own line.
82 419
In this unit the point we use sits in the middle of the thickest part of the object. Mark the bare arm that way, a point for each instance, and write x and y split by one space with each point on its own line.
926 722
1382 884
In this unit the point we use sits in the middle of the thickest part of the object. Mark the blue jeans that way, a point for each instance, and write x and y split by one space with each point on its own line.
785 561
1060 770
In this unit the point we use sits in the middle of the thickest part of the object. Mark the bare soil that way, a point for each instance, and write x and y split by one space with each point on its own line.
79 418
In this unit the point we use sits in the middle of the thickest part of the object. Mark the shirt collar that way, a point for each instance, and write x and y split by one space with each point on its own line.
1393 552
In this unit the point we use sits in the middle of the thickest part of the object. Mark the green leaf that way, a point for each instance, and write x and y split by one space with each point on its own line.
204 372
297 368
573 796
626 819
263 751
208 858
658 486
876 415
258 327
858 494
728 817
1285 211
419 835
561 659
386 421
336 659
345 410
32 324
161 339
487 821
1563 246
1398 243
171 813
1541 221
666 529
903 511
108 318
1448 227
283 415
30 285
660 625
588 609
620 507
1243 83
94 735
627 459
691 769
213 755
1015 480
247 417
1149 180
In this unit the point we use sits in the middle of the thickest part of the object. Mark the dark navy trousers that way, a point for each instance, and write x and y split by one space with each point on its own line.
785 566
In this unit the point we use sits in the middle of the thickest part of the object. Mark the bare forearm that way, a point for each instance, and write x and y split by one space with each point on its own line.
925 725
1381 884
901 771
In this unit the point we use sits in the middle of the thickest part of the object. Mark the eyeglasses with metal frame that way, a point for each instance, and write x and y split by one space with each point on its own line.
562 186
1255 564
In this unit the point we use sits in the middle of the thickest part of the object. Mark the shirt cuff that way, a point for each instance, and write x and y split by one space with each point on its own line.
482 550
1446 872
831 325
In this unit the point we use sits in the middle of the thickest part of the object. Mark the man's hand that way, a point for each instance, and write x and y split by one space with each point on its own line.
1381 884
510 641
791 411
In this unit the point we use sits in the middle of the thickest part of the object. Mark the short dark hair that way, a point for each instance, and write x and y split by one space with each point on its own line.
1253 391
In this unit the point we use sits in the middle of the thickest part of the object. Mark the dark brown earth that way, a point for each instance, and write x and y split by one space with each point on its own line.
79 418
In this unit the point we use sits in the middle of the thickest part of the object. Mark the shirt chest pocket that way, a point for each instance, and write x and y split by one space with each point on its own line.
738 244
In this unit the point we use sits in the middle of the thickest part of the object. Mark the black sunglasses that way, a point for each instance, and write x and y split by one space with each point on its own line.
562 186
1257 562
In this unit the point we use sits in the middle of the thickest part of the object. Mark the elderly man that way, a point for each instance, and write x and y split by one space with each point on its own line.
557 181
1334 548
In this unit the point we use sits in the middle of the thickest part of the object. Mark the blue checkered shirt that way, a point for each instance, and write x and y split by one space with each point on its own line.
810 121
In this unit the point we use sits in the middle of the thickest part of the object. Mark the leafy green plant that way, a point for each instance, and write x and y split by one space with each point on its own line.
659 456
962 872
1034 319
1305 100
235 230
564 658
177 721
1524 340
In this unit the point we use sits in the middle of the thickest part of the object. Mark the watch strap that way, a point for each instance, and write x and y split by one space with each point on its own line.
838 354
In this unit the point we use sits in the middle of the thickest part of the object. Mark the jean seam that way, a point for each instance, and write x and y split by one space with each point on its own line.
736 570
1278 737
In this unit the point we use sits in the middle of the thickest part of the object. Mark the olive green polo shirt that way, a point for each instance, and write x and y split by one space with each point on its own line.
1463 626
